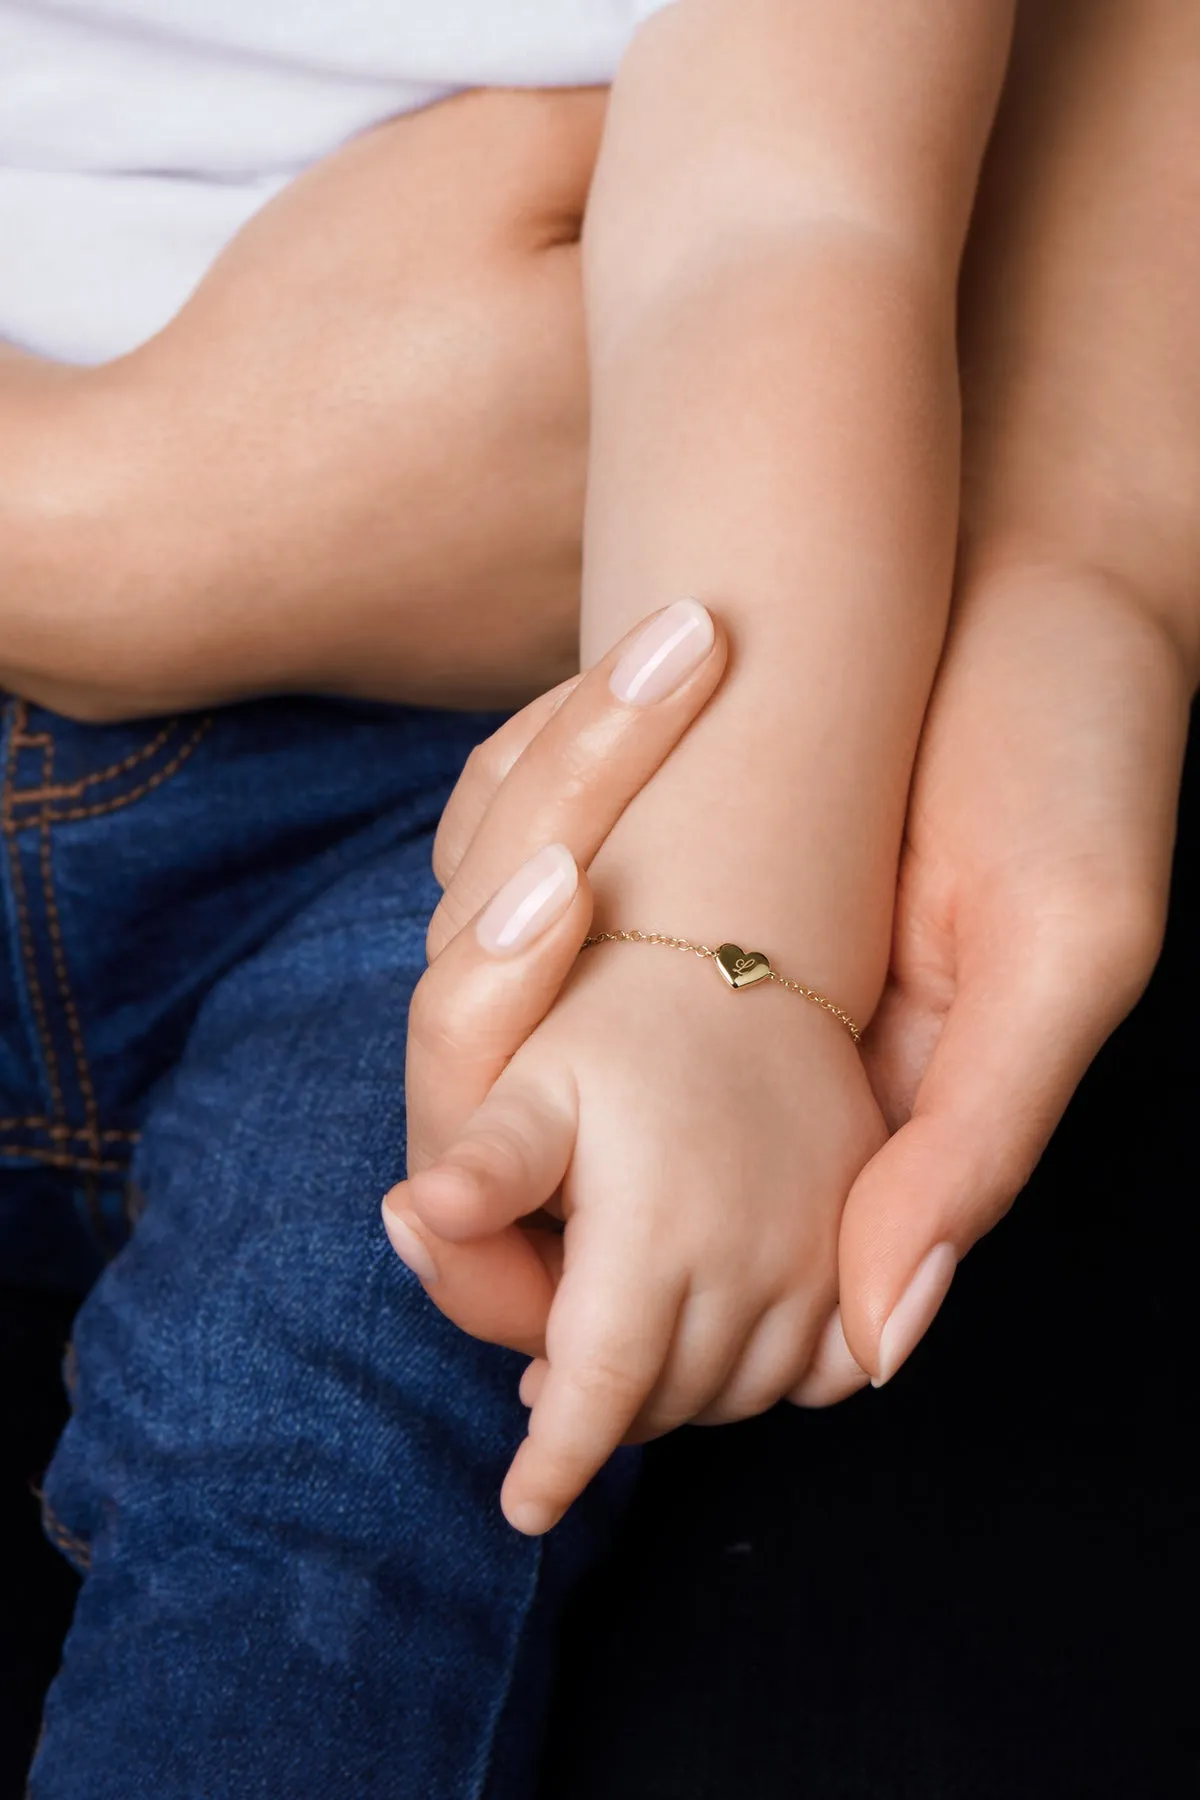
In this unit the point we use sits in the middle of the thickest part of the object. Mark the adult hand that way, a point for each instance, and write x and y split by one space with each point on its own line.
533 806
1032 895
1034 877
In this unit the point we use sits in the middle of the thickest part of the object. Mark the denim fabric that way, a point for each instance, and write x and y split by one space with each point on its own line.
280 1478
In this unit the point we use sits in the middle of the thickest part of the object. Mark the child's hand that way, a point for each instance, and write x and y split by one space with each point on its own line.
703 1142
704 1296
560 773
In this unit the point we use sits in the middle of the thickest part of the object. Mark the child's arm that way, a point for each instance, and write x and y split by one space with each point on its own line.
771 257
771 268
353 463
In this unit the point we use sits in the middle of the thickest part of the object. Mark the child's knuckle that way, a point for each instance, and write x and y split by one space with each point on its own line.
499 1146
607 1378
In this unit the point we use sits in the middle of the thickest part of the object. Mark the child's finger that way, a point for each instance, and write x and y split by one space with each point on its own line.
609 1333
774 1355
594 753
833 1374
764 1364
486 767
508 1160
708 1344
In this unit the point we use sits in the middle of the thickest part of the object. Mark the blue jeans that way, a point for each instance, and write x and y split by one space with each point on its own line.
280 1477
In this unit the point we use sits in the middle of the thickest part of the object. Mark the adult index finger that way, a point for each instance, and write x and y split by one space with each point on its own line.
595 752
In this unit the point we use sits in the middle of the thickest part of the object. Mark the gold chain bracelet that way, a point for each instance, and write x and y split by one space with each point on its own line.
738 968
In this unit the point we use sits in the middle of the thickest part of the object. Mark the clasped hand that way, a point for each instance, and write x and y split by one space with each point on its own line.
758 1234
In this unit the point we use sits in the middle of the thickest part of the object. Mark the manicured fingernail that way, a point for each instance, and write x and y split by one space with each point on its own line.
664 655
539 892
408 1246
914 1312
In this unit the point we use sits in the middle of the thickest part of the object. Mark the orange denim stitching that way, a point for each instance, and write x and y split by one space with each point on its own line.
28 740
72 790
24 927
65 993
57 1128
122 800
68 1131
63 1159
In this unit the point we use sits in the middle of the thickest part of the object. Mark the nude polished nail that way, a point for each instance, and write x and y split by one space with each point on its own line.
529 902
915 1311
408 1247
664 655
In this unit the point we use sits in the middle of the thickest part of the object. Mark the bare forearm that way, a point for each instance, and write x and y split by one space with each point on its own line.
1081 342
775 430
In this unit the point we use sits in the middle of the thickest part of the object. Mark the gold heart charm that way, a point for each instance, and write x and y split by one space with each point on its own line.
741 968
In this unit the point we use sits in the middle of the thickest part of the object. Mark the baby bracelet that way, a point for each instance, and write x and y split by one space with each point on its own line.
738 968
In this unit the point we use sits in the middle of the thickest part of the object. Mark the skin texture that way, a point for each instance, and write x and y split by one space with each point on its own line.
1034 880
1035 866
473 1009
851 240
1075 583
376 490
741 213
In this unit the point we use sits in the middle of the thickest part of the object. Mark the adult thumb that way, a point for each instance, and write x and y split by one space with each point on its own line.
1016 1041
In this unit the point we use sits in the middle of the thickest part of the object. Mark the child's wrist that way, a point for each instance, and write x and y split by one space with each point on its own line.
775 827
812 930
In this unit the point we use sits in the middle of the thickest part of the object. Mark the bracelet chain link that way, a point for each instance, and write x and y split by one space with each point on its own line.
705 952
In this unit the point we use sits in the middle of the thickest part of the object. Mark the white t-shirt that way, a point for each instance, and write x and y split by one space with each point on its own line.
137 136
